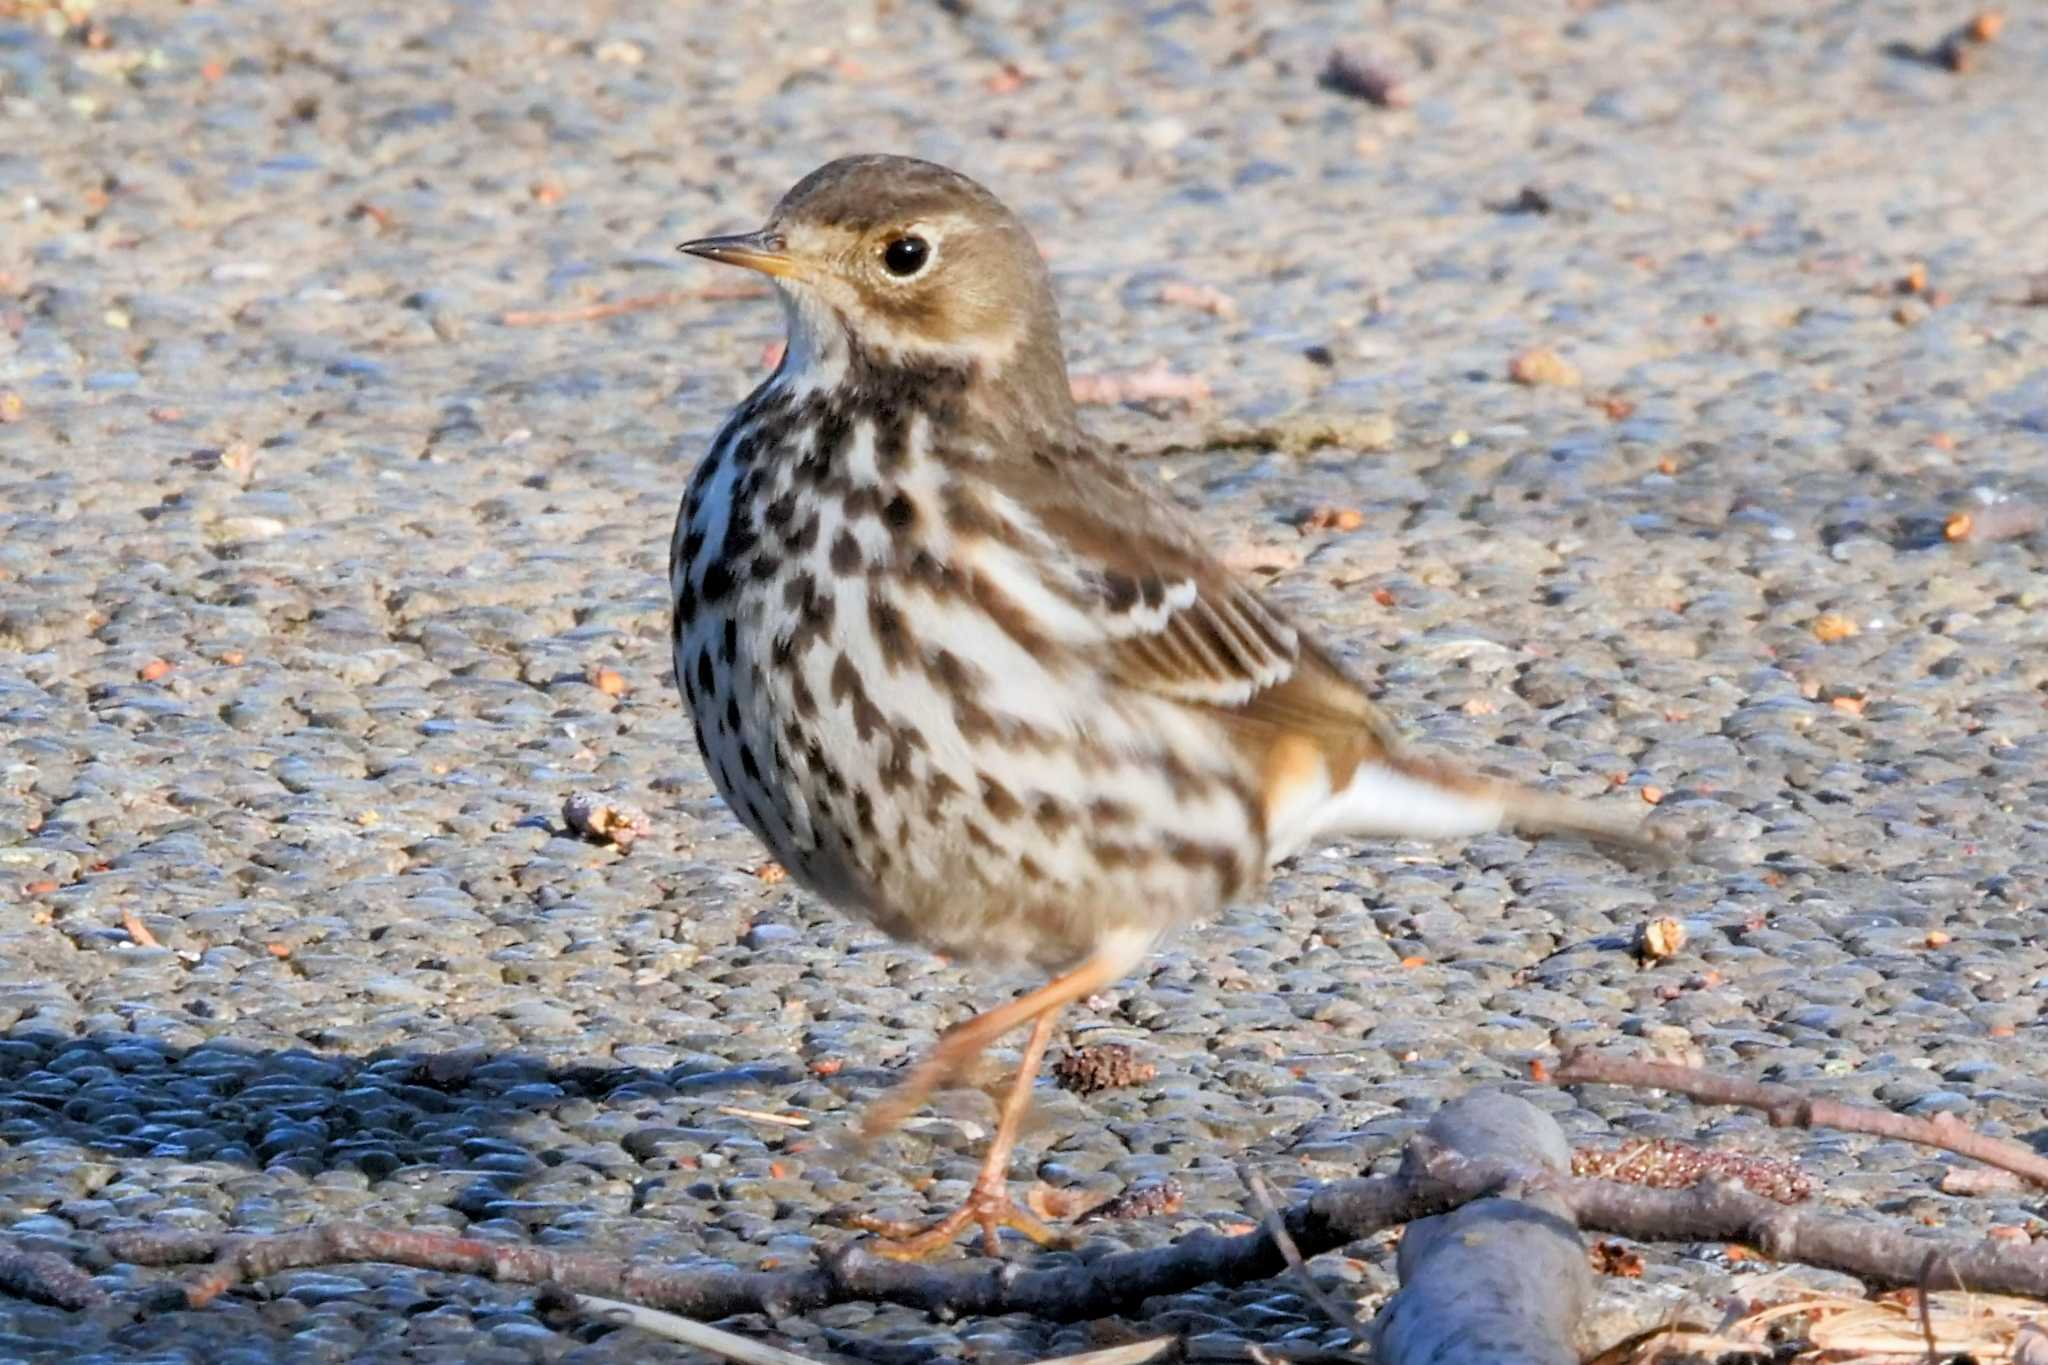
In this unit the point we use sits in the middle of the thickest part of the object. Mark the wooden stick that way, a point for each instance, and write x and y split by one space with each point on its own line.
714 1340
1431 1181
1788 1108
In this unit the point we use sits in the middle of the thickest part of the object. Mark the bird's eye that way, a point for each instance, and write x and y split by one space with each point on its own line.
906 255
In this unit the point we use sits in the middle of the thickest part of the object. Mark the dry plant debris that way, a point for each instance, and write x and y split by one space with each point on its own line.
591 816
1101 1066
1667 1164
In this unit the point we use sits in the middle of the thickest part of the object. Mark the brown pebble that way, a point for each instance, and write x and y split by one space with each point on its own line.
1543 366
1328 518
1659 938
607 680
590 816
154 671
1833 627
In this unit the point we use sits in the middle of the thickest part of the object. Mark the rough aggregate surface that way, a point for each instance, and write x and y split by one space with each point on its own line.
310 560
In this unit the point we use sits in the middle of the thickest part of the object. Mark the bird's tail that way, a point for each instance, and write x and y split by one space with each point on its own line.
1410 796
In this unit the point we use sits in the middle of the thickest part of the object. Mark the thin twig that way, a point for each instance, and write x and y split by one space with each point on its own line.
1926 1314
1788 1108
1276 1228
138 932
730 1345
1135 1353
764 1116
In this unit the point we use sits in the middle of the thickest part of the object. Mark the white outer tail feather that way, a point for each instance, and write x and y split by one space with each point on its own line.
1386 802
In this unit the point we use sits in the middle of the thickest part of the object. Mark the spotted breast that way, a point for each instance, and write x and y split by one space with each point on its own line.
878 647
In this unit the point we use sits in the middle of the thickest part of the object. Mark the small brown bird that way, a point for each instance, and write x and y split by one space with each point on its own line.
969 678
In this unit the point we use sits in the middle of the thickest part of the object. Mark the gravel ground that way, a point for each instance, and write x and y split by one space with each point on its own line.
309 559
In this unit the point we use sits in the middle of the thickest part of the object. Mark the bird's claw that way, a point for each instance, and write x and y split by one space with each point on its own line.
988 1207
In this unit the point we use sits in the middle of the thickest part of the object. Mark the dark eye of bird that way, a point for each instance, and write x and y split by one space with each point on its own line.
906 255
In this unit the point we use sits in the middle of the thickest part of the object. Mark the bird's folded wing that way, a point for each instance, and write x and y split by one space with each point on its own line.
1147 601
1161 614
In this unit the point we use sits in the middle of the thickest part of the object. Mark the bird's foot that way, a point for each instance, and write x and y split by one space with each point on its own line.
988 1207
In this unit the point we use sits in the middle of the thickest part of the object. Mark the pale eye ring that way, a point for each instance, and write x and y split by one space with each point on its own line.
906 255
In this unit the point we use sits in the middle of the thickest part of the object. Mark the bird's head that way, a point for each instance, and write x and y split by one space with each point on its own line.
911 264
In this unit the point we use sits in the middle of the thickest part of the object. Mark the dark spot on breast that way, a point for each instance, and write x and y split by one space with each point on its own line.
831 429
845 552
862 501
895 771
686 606
928 573
892 441
732 713
956 676
718 581
864 812
805 535
706 472
978 836
887 624
677 622
754 820
1185 781
939 789
777 514
1052 814
998 801
1119 591
822 768
729 640
692 544
1153 589
740 535
801 698
847 689
707 675
1030 868
748 764
973 720
764 566
1114 857
1103 811
900 514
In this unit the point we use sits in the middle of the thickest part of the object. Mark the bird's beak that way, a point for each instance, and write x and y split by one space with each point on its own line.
763 251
